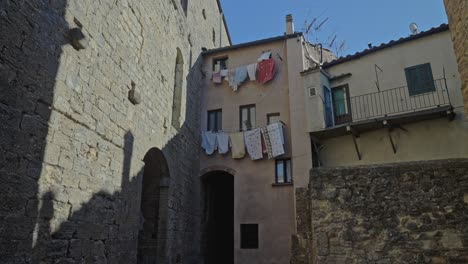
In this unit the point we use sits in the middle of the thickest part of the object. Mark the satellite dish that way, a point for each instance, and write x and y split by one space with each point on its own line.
414 28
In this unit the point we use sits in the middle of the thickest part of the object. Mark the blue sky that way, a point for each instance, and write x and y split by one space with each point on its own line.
357 22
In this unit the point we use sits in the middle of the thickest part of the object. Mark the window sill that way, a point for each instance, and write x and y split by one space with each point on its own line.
282 184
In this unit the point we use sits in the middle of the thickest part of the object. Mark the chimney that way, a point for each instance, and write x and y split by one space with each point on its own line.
289 24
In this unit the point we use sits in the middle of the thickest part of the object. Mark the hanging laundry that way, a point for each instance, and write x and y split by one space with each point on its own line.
241 74
217 77
266 71
217 67
253 142
264 149
281 132
266 138
265 56
274 133
209 142
224 73
238 147
232 79
252 71
223 142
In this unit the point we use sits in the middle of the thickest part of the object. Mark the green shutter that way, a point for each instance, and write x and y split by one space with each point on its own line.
419 79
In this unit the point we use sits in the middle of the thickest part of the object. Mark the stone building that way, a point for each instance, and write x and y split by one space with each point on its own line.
457 11
90 93
390 173
392 113
103 104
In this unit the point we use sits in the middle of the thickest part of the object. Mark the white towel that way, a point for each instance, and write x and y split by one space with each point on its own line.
209 142
252 70
265 56
253 142
275 135
223 142
224 73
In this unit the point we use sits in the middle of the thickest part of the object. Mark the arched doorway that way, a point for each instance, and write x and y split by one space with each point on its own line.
153 208
219 217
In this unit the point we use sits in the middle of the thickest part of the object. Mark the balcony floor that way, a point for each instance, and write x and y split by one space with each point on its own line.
378 123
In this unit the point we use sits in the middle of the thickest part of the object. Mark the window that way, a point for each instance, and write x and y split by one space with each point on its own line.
184 4
220 64
273 118
215 120
247 117
249 236
283 171
419 79
214 37
177 96
341 104
204 14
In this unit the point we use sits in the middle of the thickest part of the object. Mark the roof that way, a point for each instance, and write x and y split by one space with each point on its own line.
357 55
252 43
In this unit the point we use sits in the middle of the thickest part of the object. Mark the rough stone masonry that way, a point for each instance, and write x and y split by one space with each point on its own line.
457 11
71 142
414 212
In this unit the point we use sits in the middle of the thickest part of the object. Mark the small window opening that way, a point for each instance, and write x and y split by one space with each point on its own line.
204 14
184 4
249 236
273 118
247 117
214 37
215 120
283 171
220 64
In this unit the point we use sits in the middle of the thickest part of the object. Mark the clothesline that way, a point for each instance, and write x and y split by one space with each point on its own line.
258 142
237 131
262 71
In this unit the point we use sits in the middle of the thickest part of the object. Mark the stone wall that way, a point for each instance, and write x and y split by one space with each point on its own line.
457 11
412 212
71 142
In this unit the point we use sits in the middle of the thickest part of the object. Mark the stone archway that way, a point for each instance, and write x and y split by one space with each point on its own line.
153 208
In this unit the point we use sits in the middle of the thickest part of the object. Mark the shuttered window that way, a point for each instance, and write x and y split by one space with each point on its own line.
419 79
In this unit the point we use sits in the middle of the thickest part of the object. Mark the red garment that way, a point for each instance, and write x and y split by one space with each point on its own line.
266 70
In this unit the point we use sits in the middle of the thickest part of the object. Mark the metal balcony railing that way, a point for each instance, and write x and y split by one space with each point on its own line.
386 103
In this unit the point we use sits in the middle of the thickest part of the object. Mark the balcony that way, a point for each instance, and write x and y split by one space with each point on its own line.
391 107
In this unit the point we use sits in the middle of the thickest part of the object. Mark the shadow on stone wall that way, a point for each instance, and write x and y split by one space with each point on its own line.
31 39
105 228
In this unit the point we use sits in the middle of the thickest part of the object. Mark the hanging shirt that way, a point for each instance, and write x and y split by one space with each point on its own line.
238 147
266 138
232 79
223 142
266 71
252 71
253 142
224 73
275 134
217 77
241 74
209 142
